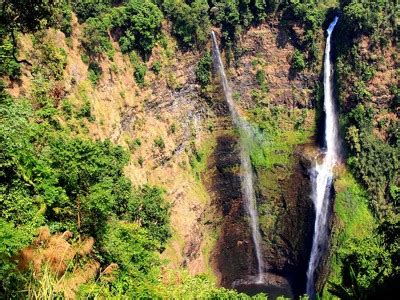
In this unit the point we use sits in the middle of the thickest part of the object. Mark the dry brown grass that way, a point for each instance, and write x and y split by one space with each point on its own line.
54 270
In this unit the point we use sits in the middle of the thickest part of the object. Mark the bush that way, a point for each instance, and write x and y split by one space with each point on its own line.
360 92
140 73
260 77
140 24
8 65
128 245
96 40
85 111
67 107
150 210
95 72
86 9
52 59
156 68
141 161
66 20
298 62
159 142
203 70
190 21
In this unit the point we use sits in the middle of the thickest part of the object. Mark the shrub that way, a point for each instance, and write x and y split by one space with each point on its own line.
85 111
52 59
156 68
140 73
67 107
298 62
203 70
85 58
190 21
65 22
159 142
152 212
86 9
95 72
360 91
96 40
361 117
140 24
8 65
140 161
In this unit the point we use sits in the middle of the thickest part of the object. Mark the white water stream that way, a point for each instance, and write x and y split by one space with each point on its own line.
246 172
322 174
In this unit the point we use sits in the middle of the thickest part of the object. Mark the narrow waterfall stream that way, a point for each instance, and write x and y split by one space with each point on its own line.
246 172
322 175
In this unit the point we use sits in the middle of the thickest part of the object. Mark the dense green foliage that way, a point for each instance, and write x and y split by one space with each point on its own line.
96 40
70 183
53 174
370 264
140 24
86 9
203 70
140 73
298 62
191 23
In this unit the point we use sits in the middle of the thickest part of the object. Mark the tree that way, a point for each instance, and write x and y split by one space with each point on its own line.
12 240
140 24
203 70
96 40
298 62
86 9
149 208
28 16
190 21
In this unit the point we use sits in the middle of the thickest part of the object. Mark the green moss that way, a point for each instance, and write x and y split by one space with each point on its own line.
272 156
354 222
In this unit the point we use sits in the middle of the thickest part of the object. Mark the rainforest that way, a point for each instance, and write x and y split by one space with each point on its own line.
199 149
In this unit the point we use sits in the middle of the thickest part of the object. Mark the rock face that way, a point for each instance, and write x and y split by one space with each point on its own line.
286 249
289 244
283 190
233 257
172 106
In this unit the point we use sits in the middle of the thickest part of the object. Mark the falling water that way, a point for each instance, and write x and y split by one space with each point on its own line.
323 171
247 179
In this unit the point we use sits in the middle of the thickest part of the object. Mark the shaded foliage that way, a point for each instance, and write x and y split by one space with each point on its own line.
140 25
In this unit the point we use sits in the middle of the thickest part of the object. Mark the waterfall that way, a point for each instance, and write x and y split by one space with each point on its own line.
246 172
322 174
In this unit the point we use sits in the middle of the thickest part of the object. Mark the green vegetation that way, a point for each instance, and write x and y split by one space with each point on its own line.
94 72
96 40
68 183
53 174
191 23
272 156
140 73
140 24
203 70
298 62
156 67
159 143
366 264
86 9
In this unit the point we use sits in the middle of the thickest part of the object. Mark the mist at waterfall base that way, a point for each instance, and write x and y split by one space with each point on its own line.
322 174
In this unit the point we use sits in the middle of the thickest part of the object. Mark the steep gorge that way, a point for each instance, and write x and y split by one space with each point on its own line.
125 112
181 137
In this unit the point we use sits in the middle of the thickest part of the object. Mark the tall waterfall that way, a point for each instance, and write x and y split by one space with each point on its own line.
247 178
322 174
